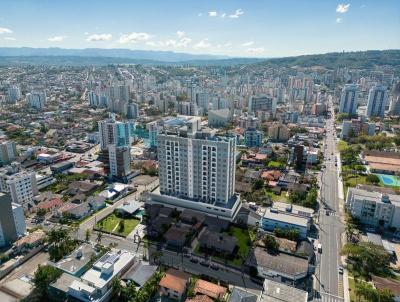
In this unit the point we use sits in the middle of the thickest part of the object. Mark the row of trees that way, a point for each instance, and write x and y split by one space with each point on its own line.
369 293
289 233
61 243
367 259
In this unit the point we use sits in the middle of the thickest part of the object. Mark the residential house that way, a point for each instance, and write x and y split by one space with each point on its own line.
217 242
173 285
212 290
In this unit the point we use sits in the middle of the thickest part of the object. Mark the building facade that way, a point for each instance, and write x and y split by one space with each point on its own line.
377 99
349 99
374 208
12 220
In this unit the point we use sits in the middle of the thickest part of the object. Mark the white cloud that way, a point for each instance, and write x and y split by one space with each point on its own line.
212 14
184 42
342 8
56 39
4 30
248 43
180 34
171 43
134 37
10 39
223 15
203 44
99 37
237 13
339 20
255 50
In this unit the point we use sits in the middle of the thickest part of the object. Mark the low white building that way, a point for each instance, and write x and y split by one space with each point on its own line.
44 180
19 183
374 208
274 219
96 283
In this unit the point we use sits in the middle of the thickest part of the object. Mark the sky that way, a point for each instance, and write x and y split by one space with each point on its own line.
239 28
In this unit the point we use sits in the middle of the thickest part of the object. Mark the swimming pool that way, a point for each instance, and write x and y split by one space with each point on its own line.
389 180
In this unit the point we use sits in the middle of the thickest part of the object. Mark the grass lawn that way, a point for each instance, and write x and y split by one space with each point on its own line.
111 225
342 145
244 238
278 197
276 164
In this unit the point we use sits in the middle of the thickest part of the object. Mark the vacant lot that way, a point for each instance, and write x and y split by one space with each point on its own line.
114 224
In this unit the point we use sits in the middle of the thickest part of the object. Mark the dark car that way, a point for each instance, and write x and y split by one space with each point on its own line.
204 263
194 260
214 267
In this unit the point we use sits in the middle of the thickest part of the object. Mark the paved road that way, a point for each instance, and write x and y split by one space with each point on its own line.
223 273
329 283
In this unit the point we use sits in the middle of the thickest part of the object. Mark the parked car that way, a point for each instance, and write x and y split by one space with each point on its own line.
194 260
204 263
214 266
340 269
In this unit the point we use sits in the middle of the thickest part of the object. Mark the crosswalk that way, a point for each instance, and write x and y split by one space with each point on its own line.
324 297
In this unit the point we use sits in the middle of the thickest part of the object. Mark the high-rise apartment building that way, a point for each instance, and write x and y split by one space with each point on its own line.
8 152
20 184
377 99
132 111
202 100
263 103
36 99
113 133
115 144
349 99
196 168
395 106
14 94
12 220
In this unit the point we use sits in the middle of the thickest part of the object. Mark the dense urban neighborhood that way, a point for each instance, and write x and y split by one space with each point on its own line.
242 182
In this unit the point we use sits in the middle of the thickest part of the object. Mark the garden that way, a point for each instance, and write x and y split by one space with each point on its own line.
116 225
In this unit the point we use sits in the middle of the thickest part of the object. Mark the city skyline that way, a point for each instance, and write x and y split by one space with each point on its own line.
232 28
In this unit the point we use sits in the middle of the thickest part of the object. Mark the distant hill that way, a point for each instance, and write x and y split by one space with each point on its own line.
162 56
357 59
98 56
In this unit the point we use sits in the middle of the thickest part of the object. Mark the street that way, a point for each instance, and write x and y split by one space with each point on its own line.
329 283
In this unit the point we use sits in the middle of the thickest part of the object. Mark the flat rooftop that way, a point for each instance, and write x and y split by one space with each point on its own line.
107 267
74 262
279 292
285 218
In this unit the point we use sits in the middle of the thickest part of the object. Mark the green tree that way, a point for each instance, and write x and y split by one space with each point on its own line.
368 258
271 244
121 227
41 213
44 276
372 179
258 184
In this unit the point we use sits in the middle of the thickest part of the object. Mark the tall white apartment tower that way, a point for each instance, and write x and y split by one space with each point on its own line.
12 220
114 133
115 144
21 184
196 169
349 99
36 99
8 152
377 99
14 94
